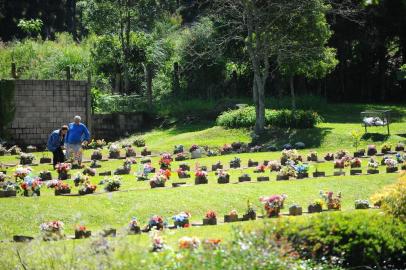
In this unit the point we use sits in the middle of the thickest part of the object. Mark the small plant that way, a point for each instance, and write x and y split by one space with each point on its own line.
139 142
63 167
165 161
373 164
274 166
329 157
112 184
312 156
260 168
81 231
155 222
159 179
129 151
361 204
157 243
80 179
133 226
97 144
235 162
342 154
87 188
31 186
52 230
211 214
182 219
201 177
22 172
333 203
356 139
62 188
400 147
301 168
273 204
391 163
386 147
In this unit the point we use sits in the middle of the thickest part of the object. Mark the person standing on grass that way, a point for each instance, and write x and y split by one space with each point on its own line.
78 135
55 143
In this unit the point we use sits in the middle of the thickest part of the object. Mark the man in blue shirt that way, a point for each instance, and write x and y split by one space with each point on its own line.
78 135
55 143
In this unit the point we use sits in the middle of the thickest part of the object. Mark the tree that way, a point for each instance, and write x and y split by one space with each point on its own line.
266 28
31 27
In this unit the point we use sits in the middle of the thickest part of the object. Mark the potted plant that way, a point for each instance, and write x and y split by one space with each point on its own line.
158 180
391 165
129 151
285 173
373 166
45 175
155 223
235 162
231 217
114 151
315 207
312 156
217 166
139 142
250 214
333 203
26 158
292 155
244 178
52 230
96 144
302 170
96 155
295 210
274 166
63 169
61 188
223 177
165 161
386 148
181 220
273 204
252 163
329 157
371 150
400 147
31 186
82 232
201 177
183 174
342 154
87 188
210 218
112 184
195 151
356 141
361 204
133 227
355 165
145 152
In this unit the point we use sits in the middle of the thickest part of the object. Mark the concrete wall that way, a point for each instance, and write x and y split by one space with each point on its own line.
44 105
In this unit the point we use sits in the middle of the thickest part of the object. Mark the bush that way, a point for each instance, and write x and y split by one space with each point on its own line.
245 117
356 239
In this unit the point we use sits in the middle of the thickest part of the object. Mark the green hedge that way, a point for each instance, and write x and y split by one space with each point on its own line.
357 239
245 117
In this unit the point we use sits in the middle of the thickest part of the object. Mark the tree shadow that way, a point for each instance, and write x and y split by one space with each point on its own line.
375 137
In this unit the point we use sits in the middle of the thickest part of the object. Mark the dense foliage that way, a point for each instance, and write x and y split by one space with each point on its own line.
245 117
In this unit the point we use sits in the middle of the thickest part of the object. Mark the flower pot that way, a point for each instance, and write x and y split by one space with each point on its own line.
199 180
135 230
252 163
45 176
273 212
339 173
109 232
44 160
295 210
372 171
96 157
282 177
302 175
230 218
105 173
82 234
7 193
61 192
223 179
314 208
249 216
22 238
262 178
244 179
216 167
63 176
210 221
196 154
391 170
319 174
355 172
157 185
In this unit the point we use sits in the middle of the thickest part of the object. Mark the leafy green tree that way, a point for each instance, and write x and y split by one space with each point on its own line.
31 27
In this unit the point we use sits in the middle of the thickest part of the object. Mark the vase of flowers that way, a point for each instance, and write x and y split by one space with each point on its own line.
134 227
355 166
260 169
391 165
52 230
312 156
184 167
226 149
361 204
373 166
96 155
45 175
129 151
158 180
273 165
340 164
222 177
235 163
201 177
273 204
31 186
400 147
195 151
315 207
21 172
183 174
181 220
371 150
250 214
295 210
329 157
82 232
165 161
180 157
61 188
231 217
244 178
145 152
63 169
285 173
386 148
302 170
112 184
8 189
87 188
217 166
155 223
26 158
114 151
210 218
333 203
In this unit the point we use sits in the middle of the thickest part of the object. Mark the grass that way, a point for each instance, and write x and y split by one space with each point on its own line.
23 215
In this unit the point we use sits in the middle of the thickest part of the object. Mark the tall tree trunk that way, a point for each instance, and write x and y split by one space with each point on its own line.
259 101
148 82
71 17
292 92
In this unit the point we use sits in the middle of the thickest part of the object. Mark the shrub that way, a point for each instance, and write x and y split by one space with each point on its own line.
364 239
245 117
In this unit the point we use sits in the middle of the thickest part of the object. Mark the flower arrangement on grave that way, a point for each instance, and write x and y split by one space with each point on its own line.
250 213
260 168
273 204
329 157
180 156
139 142
62 188
147 168
216 166
400 147
129 151
22 172
182 219
195 151
301 169
52 183
193 148
178 149
223 177
26 158
3 177
212 243
165 161
252 163
114 151
333 203
155 222
340 163
81 232
312 156
145 152
31 186
385 148
226 149
63 169
133 226
201 177
286 172
232 216
158 243
14 150
189 243
292 155
94 164
45 175
399 158
158 180
316 206
97 144
355 163
210 218
89 171
112 184
52 230
342 154
96 155
80 179
295 210
371 150
9 188
125 169
235 162
87 188
274 166
182 173
361 204
212 152
391 165
373 164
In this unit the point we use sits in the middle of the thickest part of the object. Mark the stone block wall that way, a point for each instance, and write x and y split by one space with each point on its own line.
44 105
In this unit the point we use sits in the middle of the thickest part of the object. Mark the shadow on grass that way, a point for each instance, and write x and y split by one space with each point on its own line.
193 127
312 138
375 137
